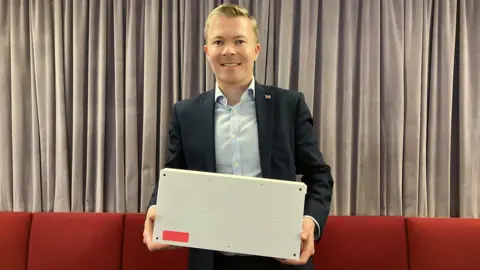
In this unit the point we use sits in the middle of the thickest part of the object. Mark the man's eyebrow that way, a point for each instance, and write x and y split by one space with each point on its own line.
220 37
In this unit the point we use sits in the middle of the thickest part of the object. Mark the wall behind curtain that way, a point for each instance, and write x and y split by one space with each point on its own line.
86 89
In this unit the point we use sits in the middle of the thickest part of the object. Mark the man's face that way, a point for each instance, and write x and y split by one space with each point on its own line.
232 49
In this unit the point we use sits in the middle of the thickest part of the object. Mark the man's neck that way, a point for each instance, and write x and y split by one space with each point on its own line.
234 93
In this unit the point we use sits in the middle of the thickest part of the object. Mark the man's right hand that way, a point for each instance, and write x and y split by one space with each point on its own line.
148 232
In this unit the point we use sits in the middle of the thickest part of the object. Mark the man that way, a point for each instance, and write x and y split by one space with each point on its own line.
245 128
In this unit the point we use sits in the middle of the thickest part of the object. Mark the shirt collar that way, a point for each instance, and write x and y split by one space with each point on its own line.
250 90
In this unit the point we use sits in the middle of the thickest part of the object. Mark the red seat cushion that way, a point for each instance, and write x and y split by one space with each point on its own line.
137 256
14 234
443 243
76 241
362 243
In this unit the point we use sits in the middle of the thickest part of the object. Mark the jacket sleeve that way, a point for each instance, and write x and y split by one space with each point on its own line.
310 163
175 155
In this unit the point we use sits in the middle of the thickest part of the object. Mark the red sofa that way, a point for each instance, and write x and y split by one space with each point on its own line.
104 241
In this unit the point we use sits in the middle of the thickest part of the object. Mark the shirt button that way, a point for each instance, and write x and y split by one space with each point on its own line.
233 136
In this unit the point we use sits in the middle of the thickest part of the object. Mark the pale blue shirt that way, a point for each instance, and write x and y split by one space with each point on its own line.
236 136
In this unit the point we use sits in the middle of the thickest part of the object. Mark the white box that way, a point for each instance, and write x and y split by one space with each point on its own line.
236 214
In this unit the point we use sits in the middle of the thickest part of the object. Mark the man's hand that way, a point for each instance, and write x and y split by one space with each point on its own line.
148 232
308 246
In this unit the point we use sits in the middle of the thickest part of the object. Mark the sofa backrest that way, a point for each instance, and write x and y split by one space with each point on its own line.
14 234
370 243
443 243
114 241
76 241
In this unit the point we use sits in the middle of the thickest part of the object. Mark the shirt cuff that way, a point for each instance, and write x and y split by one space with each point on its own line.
316 234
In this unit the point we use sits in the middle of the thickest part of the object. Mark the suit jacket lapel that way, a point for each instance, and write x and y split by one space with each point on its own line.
264 107
208 130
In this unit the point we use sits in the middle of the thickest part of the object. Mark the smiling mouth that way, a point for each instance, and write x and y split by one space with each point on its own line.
230 65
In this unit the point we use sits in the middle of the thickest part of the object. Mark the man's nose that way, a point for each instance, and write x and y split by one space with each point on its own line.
228 49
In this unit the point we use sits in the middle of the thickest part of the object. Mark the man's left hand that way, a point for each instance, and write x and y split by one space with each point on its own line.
308 246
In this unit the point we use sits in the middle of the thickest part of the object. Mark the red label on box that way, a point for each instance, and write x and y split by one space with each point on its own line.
176 236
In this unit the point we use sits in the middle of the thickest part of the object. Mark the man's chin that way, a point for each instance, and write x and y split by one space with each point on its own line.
229 79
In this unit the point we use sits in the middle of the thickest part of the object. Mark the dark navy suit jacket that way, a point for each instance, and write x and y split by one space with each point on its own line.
287 147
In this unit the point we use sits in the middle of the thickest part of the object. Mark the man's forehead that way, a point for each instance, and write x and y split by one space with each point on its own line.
223 29
222 19
229 23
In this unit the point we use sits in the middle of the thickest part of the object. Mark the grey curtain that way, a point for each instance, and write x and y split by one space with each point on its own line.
86 88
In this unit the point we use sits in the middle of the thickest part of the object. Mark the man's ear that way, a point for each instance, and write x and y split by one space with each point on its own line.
205 48
257 51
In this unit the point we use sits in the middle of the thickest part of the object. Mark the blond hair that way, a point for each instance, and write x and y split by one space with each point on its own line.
230 11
